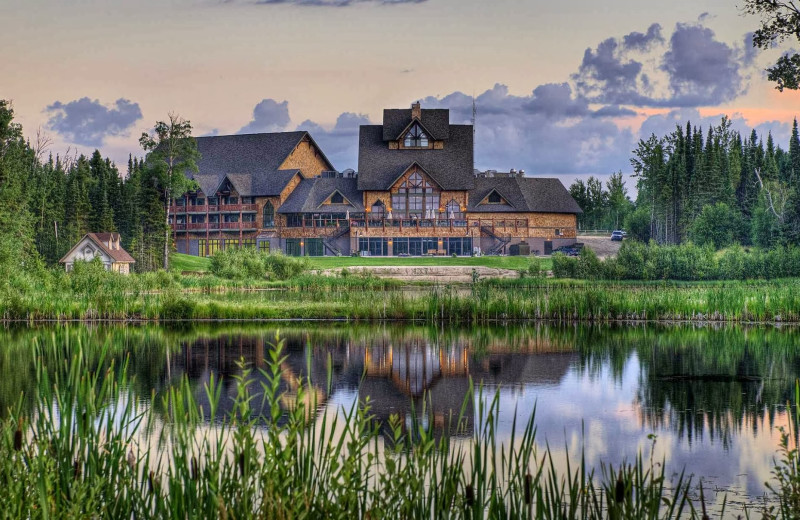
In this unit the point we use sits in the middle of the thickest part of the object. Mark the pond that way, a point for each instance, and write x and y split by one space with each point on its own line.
712 398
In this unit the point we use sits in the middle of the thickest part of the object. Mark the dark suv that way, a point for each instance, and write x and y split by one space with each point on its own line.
617 236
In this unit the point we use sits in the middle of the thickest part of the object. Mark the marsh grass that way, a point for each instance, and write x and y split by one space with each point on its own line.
78 456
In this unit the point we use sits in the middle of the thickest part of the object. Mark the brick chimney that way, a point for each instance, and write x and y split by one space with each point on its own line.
416 111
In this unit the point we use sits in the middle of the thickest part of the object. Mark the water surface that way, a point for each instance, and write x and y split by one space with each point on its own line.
712 397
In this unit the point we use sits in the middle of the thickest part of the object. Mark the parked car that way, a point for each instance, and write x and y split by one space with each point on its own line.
617 236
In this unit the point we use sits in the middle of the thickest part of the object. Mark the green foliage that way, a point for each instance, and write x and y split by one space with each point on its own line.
637 224
717 225
172 154
564 266
779 21
246 263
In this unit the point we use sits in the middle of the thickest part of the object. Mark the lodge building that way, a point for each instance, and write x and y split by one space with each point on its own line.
415 193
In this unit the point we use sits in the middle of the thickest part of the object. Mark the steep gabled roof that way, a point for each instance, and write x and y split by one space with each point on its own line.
525 194
435 120
310 194
450 167
255 155
100 239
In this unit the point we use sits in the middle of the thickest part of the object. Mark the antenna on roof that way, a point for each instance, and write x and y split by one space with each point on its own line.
474 118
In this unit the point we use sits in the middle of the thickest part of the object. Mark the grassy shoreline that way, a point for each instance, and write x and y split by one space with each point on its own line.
359 298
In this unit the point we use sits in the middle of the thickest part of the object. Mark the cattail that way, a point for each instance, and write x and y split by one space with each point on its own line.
76 469
194 468
619 491
470 495
223 511
241 464
150 486
131 459
528 488
18 439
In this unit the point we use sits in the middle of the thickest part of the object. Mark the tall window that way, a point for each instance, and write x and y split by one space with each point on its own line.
454 210
416 138
416 197
269 215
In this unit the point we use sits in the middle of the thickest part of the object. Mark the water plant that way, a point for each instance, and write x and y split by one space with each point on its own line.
276 453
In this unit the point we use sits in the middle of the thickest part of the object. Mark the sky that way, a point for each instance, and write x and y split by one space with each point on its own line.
562 89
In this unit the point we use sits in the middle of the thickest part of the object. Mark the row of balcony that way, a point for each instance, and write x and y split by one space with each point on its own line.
215 226
219 208
397 224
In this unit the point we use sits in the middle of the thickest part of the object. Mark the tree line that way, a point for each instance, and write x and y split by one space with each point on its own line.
47 203
710 186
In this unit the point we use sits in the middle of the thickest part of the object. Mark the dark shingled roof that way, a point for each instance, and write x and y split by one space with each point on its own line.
261 185
309 195
379 167
524 194
436 121
249 155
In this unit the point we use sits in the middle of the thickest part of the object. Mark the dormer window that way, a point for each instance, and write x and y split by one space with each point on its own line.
494 198
416 138
337 198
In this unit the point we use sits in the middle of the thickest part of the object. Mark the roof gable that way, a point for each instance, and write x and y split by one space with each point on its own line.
436 121
310 194
503 199
379 167
523 194
97 240
345 200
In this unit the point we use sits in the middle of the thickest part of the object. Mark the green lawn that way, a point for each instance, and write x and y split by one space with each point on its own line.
182 262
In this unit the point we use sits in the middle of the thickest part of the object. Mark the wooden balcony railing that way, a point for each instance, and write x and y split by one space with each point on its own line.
215 226
219 208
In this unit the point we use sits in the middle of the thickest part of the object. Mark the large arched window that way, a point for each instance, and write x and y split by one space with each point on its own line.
269 215
416 197
416 138
453 210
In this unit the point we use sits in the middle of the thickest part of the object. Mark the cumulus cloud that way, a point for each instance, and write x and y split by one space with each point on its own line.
691 69
89 122
702 70
575 128
339 143
268 116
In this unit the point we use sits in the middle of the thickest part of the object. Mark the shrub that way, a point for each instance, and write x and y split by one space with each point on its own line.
638 224
718 225
239 264
564 266
589 266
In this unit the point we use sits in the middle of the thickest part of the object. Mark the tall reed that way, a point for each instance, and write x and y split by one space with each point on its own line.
80 455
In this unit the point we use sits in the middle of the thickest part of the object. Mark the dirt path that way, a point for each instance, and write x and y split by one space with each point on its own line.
424 273
601 245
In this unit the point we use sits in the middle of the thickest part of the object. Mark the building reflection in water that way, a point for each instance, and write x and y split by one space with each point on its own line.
401 374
